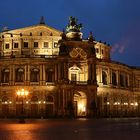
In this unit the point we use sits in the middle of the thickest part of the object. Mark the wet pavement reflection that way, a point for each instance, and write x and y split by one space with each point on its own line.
66 129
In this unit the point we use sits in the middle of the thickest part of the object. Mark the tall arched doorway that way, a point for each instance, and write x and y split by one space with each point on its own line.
5 107
34 106
19 106
49 106
80 104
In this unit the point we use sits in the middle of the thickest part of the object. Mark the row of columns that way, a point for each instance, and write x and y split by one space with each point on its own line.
109 76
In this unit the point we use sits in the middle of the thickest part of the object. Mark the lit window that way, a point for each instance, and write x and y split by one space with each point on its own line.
49 75
5 75
35 44
7 46
55 44
15 45
25 44
34 75
73 77
114 79
121 80
97 50
19 75
104 78
46 44
102 51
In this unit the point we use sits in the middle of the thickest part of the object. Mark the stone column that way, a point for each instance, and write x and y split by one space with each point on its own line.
13 79
128 77
44 74
25 74
101 75
40 79
65 71
89 72
56 72
93 72
117 78
28 74
10 78
110 76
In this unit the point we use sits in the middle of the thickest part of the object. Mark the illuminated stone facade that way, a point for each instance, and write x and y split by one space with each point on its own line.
64 75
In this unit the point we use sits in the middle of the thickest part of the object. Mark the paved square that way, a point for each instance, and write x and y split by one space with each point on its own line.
66 129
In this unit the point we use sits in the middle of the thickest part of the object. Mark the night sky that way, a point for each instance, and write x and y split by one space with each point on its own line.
116 22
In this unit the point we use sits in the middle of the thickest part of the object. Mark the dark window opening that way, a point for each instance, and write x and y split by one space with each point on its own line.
104 78
19 75
35 44
15 45
114 80
73 77
46 44
5 76
7 46
25 44
35 75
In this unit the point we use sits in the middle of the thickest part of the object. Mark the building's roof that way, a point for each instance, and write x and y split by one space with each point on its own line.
34 29
119 63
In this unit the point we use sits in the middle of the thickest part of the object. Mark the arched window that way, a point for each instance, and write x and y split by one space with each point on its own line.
5 106
49 75
49 110
4 99
5 76
49 99
126 81
104 78
34 106
122 80
34 75
19 75
34 99
74 73
114 82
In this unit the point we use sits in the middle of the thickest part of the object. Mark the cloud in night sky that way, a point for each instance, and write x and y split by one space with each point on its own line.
113 21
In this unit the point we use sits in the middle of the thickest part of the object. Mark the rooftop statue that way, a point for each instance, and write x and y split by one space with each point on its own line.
73 26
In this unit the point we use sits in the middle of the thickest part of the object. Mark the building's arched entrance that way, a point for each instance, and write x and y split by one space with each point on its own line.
80 104
34 106
19 107
5 107
49 106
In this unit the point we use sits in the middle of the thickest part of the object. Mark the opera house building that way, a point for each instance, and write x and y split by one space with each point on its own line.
46 73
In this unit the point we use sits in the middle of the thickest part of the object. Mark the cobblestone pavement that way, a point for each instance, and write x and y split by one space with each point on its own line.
66 129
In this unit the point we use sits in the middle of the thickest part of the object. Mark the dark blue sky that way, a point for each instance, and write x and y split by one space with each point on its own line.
116 22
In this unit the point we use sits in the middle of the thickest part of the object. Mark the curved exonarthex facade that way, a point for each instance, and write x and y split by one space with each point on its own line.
64 75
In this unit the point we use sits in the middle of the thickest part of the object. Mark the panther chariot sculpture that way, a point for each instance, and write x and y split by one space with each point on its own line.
73 29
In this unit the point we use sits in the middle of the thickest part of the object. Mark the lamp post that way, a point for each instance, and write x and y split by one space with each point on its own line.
22 94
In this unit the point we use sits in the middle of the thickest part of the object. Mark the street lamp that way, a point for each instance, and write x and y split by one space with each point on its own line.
22 94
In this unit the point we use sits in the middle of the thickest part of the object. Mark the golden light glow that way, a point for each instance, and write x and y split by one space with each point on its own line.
18 93
117 103
10 102
39 102
22 92
27 102
125 103
136 104
108 103
81 107
26 93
